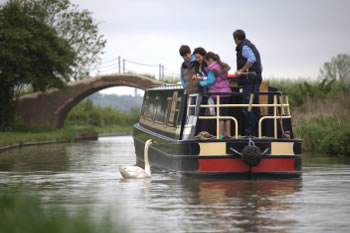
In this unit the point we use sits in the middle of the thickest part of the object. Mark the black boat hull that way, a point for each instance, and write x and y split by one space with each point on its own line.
190 157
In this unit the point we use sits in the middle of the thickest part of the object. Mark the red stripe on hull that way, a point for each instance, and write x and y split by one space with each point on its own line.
275 165
237 165
222 165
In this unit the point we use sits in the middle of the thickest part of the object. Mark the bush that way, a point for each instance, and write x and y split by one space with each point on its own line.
337 142
325 134
312 133
86 114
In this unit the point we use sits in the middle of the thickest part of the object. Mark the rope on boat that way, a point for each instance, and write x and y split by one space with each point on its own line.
284 135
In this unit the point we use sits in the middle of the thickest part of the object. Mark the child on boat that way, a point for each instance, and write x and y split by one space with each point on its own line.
188 69
218 82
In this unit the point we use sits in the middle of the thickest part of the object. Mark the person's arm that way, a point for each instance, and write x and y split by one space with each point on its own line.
247 53
210 80
224 70
182 78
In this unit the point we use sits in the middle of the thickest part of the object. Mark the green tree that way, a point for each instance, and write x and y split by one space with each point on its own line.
338 68
31 53
79 29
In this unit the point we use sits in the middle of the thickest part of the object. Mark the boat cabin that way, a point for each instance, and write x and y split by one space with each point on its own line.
169 112
185 129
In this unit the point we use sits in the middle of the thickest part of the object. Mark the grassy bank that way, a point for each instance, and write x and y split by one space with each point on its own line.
23 213
38 134
320 113
84 118
115 129
26 134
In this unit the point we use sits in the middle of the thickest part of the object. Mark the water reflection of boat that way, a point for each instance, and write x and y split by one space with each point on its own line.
243 205
176 120
220 191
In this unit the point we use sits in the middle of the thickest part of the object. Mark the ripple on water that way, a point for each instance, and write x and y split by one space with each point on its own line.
85 174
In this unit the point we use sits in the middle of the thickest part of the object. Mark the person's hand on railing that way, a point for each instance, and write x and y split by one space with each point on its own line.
238 73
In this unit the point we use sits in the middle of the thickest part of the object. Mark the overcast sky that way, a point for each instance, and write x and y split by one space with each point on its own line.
294 37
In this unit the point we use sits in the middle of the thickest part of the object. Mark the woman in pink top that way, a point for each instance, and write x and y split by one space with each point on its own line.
218 83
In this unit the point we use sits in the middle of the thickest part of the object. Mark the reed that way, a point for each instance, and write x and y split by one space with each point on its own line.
320 114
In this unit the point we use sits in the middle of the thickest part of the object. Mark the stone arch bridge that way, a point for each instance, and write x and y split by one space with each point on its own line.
50 108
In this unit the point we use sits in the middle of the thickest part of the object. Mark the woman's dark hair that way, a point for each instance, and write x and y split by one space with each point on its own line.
184 49
216 58
239 34
200 51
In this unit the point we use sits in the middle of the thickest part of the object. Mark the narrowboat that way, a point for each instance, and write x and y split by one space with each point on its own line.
187 138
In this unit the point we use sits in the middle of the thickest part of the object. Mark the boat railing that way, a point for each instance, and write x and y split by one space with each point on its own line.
280 101
165 87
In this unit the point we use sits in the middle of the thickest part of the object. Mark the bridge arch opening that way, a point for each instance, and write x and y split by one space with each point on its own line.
111 90
50 108
111 106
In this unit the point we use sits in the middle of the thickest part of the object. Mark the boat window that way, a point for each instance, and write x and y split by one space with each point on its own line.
144 106
172 109
177 110
155 108
166 121
149 107
160 110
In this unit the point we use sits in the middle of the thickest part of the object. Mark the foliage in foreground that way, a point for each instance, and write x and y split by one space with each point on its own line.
20 213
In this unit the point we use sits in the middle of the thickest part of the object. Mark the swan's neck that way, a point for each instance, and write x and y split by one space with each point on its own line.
147 166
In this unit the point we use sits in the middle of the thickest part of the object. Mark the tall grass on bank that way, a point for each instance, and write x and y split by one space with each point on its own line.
22 213
328 135
321 114
324 124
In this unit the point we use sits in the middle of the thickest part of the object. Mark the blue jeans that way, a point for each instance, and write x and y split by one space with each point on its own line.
252 118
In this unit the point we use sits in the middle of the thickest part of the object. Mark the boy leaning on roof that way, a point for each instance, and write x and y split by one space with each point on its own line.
188 69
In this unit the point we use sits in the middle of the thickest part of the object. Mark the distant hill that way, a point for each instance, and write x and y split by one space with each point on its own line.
121 103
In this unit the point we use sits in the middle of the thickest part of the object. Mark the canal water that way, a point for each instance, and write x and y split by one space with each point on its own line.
85 174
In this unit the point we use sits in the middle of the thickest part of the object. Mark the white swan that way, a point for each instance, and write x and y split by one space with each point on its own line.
135 171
